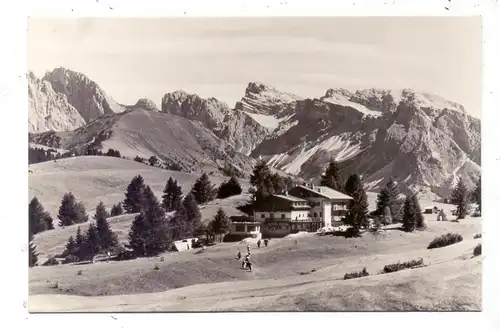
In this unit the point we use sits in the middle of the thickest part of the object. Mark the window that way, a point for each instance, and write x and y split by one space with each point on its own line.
240 228
315 215
282 216
250 228
263 215
321 214
271 215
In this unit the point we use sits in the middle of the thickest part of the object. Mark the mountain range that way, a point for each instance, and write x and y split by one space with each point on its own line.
421 140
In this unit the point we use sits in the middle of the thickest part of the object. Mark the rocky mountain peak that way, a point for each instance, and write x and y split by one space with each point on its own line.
338 92
146 104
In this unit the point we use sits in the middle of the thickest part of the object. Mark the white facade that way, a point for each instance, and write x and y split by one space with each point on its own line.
291 215
241 228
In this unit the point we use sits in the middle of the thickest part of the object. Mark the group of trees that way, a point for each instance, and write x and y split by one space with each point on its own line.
71 212
151 231
229 188
98 238
39 219
38 155
266 183
461 196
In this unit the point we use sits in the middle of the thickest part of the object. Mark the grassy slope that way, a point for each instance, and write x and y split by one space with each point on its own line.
214 281
95 178
279 273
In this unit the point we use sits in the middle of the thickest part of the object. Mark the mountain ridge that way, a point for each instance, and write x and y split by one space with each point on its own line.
421 139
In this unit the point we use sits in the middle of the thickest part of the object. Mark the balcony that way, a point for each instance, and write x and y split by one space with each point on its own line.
278 220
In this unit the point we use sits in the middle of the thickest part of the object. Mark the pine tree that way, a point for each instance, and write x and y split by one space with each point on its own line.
179 226
80 238
32 255
409 220
82 215
220 223
389 196
419 217
135 195
71 246
230 188
39 219
460 197
357 215
68 211
172 197
260 179
203 190
117 210
93 241
331 177
107 238
477 194
193 214
149 232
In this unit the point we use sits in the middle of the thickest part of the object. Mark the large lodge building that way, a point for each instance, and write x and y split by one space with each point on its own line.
300 209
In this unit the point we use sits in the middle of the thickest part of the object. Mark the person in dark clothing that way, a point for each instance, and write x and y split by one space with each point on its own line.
258 244
265 242
239 255
247 262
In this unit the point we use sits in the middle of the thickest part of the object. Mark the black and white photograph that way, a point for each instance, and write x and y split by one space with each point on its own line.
254 164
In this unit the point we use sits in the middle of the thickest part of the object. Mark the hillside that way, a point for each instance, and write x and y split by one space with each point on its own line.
183 144
93 179
423 141
301 273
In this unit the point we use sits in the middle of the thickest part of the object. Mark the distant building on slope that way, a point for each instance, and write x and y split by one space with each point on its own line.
303 208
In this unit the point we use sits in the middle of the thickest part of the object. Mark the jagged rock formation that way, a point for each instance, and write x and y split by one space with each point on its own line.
65 100
421 140
49 110
233 126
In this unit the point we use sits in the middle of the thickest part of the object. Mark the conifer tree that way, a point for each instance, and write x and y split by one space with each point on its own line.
230 188
419 217
93 241
32 255
409 220
80 238
203 190
135 195
69 212
260 179
477 194
172 195
193 214
71 246
82 215
220 223
107 238
278 183
460 197
149 232
117 210
331 177
357 215
389 196
39 219
179 226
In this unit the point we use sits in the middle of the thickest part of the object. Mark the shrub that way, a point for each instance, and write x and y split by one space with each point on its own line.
358 274
70 259
477 250
477 236
79 273
401 266
445 240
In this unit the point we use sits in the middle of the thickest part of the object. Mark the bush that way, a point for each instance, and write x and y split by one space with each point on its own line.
79 273
358 274
70 259
51 261
477 250
401 266
477 236
445 240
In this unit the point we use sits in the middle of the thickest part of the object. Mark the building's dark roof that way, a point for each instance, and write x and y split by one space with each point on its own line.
327 192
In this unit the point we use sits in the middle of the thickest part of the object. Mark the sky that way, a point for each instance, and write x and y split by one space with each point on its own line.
132 58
